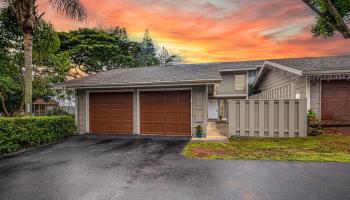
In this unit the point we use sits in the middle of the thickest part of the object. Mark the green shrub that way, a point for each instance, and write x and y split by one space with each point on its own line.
21 132
314 125
311 117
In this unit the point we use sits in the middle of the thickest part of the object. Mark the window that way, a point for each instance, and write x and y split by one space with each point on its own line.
239 81
252 76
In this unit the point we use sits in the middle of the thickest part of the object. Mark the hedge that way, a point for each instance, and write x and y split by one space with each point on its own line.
22 132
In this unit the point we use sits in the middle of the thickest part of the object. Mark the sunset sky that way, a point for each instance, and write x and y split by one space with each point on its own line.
212 30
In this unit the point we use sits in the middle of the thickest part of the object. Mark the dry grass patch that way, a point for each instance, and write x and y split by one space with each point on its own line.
327 148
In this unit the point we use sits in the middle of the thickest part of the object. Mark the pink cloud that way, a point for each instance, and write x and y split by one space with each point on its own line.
205 31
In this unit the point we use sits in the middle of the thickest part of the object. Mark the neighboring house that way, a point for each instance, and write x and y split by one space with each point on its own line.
65 100
173 100
323 81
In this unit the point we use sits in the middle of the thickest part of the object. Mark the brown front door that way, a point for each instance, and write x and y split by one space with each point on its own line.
111 112
165 112
335 101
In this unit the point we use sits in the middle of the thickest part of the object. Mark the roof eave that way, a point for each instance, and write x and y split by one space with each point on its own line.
237 70
139 84
326 72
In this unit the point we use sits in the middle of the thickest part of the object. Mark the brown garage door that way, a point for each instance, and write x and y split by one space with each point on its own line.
165 112
111 112
335 101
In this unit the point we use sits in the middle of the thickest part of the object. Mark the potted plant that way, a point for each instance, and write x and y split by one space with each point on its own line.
199 131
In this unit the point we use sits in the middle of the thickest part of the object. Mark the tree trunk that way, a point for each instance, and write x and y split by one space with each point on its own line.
4 108
342 26
28 76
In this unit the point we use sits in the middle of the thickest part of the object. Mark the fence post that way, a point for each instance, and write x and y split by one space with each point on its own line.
271 118
232 117
242 118
251 118
302 118
291 118
261 118
280 118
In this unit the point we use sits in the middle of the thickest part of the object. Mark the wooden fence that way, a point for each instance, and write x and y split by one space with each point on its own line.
267 118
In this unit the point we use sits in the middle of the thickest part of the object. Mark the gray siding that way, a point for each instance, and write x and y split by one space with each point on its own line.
199 108
315 97
274 79
81 123
300 86
227 85
278 85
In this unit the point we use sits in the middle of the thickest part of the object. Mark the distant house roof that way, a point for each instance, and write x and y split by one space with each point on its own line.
43 102
175 74
75 72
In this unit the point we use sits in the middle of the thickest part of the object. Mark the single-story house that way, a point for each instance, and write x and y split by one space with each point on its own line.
173 100
323 81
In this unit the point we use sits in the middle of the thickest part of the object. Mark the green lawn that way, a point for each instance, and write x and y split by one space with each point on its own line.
325 148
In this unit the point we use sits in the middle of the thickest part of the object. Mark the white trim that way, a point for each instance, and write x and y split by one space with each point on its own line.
142 85
230 95
161 89
308 94
164 89
327 72
289 69
320 117
87 106
138 112
235 70
205 119
247 85
76 110
87 110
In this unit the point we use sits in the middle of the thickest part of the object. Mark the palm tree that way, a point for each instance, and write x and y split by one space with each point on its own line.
26 11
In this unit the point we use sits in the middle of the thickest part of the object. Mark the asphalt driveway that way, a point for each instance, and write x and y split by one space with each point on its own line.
89 167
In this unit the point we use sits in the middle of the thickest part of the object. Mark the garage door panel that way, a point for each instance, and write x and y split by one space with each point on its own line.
111 112
172 117
335 101
170 128
183 117
165 112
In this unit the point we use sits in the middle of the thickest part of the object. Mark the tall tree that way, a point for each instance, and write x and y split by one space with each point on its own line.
332 16
26 12
167 59
99 50
49 64
147 55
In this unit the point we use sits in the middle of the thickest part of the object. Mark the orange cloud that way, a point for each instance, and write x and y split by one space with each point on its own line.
212 30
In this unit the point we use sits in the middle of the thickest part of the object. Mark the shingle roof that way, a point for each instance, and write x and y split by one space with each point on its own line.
195 73
316 63
184 73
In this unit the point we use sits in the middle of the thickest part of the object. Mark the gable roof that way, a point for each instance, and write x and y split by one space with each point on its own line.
307 66
175 74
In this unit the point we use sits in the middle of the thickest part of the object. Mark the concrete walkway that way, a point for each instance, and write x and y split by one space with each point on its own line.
216 131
